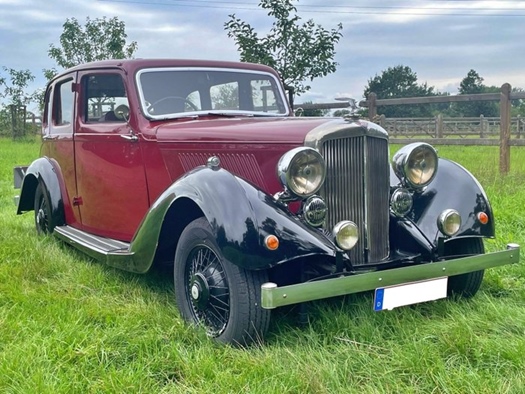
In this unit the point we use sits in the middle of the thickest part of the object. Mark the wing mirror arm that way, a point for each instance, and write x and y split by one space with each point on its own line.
122 112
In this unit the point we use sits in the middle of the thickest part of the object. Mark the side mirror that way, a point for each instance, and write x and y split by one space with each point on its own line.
122 112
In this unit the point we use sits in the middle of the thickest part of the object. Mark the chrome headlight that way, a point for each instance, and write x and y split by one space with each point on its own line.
449 222
416 164
346 234
302 171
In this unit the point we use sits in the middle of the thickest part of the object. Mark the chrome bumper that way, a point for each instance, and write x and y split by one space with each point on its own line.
274 296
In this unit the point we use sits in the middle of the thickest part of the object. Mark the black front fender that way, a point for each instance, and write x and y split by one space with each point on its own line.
452 188
241 216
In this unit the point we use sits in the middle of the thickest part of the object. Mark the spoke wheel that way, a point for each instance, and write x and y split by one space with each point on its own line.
207 288
465 285
44 222
213 293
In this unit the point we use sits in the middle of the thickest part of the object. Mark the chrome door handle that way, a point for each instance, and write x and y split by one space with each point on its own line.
130 137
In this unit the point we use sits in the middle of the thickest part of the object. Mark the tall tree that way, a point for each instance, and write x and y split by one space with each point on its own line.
518 106
473 84
299 52
14 91
98 39
397 82
13 116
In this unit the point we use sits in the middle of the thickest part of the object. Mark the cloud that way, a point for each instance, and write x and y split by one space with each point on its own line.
440 41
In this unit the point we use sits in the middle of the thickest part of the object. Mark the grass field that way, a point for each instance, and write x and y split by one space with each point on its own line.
69 324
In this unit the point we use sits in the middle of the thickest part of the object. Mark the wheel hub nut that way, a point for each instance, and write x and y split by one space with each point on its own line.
195 291
199 291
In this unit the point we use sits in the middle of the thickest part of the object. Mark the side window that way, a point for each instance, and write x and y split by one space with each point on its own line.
63 103
225 96
104 98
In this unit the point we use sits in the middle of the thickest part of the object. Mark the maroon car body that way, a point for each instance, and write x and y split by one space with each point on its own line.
203 165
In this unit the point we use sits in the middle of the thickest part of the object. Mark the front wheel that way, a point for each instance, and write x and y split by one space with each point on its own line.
214 293
465 285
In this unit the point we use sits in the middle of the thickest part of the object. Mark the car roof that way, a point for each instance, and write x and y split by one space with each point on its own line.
132 65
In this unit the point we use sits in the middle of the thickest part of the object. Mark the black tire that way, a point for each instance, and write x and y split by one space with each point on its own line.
465 285
212 292
44 221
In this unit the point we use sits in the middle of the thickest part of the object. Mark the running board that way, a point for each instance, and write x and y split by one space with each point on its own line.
110 251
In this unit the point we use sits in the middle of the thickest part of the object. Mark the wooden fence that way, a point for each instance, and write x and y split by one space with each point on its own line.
440 130
17 122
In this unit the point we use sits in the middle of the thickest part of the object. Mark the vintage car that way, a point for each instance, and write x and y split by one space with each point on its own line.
203 165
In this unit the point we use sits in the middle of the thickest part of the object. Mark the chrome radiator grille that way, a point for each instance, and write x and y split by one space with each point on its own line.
357 189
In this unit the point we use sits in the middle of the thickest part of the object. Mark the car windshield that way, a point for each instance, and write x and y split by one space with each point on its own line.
181 92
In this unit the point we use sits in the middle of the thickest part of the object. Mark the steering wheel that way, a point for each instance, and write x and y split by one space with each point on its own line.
151 108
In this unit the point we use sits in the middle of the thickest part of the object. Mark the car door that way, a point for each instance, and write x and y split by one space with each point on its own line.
111 182
57 140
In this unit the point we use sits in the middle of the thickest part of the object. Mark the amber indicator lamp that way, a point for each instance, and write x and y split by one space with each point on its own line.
483 218
271 242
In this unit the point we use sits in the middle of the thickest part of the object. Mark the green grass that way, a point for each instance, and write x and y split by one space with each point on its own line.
69 324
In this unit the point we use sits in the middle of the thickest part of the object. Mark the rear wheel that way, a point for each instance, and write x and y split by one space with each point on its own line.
44 222
214 293
465 285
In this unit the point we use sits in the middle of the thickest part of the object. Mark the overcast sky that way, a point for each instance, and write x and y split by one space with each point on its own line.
439 40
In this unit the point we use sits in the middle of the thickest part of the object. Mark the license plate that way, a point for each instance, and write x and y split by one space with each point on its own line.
388 298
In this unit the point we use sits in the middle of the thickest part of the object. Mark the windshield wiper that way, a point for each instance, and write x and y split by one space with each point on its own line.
226 114
196 115
236 114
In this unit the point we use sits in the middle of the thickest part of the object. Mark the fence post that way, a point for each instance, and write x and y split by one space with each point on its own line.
439 126
14 130
481 126
372 107
504 148
518 127
18 121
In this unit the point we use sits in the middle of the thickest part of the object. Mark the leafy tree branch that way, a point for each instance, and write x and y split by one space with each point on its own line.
299 52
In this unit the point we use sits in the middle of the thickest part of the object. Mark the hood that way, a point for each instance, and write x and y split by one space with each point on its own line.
249 147
278 130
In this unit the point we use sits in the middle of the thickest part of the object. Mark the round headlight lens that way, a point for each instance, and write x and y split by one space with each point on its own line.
416 164
302 171
346 234
401 202
449 222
